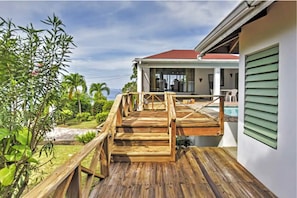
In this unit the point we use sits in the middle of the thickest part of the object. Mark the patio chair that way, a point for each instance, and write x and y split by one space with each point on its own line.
233 95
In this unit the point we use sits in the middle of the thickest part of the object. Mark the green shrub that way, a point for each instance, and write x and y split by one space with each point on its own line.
83 116
86 138
101 117
98 106
107 106
90 118
65 115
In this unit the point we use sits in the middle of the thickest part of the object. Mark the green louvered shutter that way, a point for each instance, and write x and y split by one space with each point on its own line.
261 96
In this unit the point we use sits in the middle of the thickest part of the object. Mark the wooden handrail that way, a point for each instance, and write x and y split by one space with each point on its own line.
171 123
51 183
66 180
154 98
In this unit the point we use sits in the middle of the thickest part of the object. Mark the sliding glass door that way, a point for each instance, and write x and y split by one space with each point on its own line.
173 79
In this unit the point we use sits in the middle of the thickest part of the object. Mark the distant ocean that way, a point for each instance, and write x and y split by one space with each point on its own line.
113 93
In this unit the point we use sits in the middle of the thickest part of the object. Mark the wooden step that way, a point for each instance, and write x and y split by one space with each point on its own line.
141 136
141 139
140 150
143 129
141 153
150 122
145 119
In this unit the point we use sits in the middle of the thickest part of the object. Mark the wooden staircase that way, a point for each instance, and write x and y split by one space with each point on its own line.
142 138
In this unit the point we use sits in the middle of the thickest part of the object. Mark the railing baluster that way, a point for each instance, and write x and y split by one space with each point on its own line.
93 165
221 114
63 187
74 190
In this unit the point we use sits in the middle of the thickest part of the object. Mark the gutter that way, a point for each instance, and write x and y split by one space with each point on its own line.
143 61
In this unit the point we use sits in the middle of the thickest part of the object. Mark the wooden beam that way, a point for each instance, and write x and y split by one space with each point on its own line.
90 172
202 131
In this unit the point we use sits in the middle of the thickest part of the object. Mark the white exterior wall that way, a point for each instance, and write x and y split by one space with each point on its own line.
275 168
202 88
228 80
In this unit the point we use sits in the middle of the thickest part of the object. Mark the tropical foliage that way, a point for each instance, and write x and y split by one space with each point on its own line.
98 88
86 138
101 117
73 82
31 63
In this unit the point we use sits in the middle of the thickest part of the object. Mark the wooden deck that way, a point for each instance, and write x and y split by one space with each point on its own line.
197 172
148 138
187 121
144 136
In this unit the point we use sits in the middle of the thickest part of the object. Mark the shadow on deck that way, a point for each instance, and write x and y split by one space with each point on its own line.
197 172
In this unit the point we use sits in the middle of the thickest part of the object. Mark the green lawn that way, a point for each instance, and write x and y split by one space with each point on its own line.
74 124
61 154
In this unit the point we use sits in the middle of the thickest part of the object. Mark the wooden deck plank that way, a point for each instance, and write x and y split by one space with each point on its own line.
183 178
142 136
144 150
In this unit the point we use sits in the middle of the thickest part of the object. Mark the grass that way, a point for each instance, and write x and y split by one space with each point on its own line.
74 124
61 154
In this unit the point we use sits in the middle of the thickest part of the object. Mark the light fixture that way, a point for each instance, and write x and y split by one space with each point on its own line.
200 79
231 75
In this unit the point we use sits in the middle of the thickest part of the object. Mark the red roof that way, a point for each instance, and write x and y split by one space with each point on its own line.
190 54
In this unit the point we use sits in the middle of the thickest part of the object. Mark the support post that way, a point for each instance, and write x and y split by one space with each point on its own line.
222 114
216 82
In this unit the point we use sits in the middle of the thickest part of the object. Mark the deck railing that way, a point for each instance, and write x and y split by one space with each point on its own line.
67 180
171 123
200 103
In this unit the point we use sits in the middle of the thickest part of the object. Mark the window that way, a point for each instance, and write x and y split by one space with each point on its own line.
173 79
261 96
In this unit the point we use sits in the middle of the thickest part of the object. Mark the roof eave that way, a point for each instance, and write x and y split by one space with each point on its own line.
195 61
244 12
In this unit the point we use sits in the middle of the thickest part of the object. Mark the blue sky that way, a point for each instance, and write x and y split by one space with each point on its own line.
110 34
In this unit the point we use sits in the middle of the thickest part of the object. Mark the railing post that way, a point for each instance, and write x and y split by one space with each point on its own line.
171 120
104 157
140 102
222 114
166 95
153 98
173 139
130 102
74 189
119 115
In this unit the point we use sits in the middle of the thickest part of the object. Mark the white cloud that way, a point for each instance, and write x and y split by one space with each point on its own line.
109 35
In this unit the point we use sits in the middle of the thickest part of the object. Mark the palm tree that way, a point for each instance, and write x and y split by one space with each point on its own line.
73 82
98 88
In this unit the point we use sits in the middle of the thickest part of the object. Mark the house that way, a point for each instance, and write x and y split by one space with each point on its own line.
179 71
264 34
